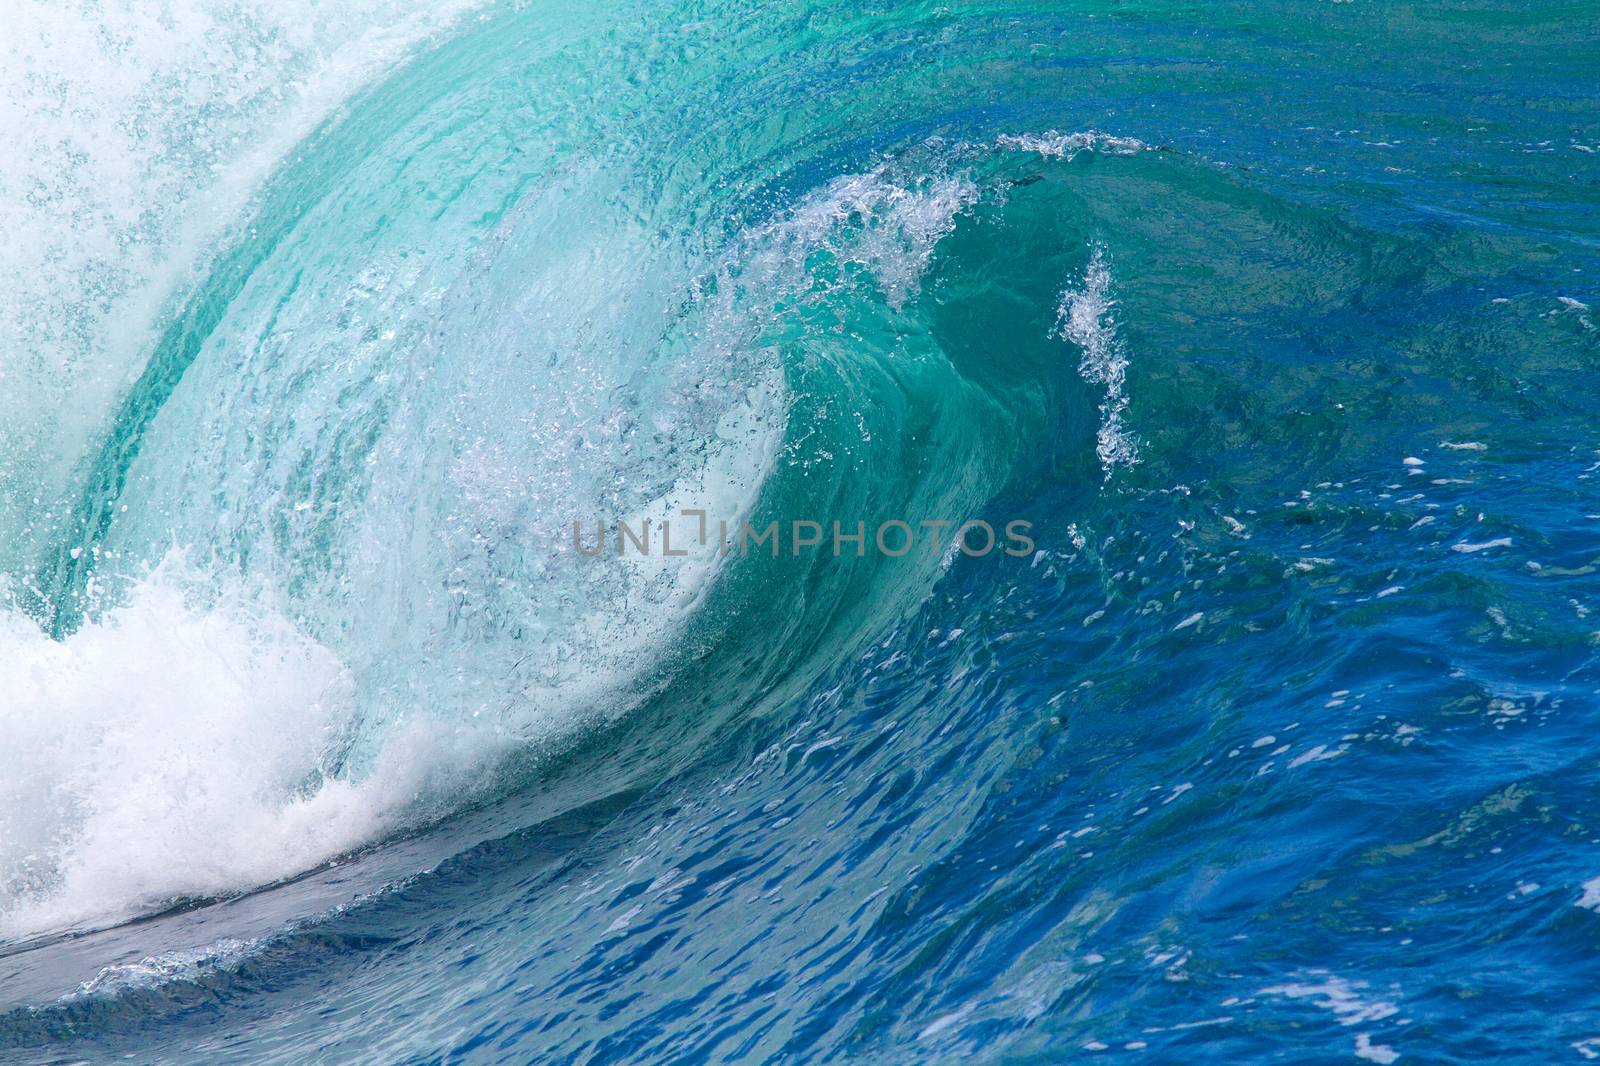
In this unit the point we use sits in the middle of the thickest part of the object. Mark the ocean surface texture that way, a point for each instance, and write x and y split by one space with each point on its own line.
321 325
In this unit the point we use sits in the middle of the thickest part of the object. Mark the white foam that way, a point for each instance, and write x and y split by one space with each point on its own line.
1470 549
176 748
1370 1052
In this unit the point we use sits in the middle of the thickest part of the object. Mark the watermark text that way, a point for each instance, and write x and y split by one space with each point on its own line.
693 530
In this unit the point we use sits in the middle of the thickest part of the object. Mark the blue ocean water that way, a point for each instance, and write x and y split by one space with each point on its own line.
1276 321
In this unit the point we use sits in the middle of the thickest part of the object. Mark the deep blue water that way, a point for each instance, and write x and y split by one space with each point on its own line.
319 742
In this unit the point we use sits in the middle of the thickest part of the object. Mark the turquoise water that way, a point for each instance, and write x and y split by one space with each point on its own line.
1273 320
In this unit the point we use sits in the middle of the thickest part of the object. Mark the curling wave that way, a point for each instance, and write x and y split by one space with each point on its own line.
310 587
320 738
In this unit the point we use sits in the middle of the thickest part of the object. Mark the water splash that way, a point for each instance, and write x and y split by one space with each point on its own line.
1067 146
1086 318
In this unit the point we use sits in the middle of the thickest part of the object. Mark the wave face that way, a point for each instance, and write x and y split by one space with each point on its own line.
333 343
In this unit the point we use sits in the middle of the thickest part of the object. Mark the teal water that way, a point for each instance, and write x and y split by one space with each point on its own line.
1273 320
